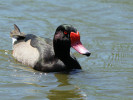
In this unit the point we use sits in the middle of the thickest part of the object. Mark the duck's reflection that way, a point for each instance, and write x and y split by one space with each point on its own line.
65 90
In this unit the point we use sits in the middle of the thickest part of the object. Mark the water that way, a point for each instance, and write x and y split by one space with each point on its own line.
106 29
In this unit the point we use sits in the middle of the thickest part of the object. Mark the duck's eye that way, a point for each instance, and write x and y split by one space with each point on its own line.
65 32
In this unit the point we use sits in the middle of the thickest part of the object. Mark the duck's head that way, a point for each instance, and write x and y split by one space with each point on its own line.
67 36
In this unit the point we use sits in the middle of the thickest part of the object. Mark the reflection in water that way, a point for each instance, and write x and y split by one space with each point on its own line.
64 90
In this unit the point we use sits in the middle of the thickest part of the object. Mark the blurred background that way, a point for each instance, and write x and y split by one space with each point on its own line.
106 28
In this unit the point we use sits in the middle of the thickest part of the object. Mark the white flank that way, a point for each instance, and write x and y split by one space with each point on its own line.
13 40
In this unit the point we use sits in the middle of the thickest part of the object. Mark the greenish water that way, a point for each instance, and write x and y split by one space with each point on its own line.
106 28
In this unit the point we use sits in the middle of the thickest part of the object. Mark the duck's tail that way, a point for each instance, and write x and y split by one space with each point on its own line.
16 34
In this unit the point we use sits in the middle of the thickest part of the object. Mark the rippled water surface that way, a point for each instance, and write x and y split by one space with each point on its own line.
106 28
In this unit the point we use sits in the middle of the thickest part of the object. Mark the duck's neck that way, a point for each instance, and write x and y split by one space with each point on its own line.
63 53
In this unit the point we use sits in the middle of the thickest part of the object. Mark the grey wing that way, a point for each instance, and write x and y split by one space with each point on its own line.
44 46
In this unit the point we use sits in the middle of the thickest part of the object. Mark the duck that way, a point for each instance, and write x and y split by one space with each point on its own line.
47 55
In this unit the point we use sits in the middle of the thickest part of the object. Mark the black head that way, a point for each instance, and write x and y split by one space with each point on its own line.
67 36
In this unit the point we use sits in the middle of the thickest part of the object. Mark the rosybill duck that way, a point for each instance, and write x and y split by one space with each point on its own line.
46 55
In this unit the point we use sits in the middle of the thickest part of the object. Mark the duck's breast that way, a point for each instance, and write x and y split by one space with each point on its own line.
25 53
